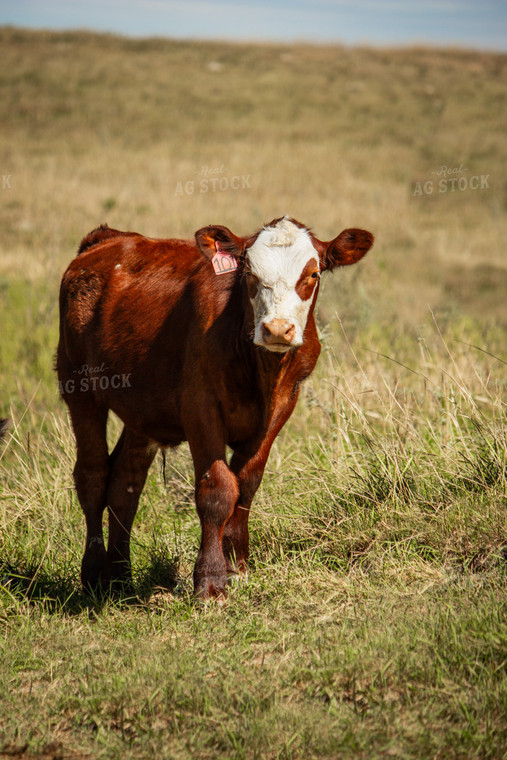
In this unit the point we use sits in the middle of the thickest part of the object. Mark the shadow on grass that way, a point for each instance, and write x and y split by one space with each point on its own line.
63 594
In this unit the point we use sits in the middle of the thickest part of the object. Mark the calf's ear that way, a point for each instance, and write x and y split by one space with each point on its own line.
215 238
350 246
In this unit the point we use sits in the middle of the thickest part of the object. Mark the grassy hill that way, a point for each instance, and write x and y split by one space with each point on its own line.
374 621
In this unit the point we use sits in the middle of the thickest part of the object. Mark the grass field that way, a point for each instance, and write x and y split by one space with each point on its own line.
374 621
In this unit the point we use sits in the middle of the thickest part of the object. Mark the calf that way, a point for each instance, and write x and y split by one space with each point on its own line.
205 342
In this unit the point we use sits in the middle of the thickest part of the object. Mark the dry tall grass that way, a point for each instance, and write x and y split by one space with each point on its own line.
100 128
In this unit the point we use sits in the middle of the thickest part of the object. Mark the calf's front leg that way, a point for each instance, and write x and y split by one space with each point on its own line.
249 468
216 494
236 540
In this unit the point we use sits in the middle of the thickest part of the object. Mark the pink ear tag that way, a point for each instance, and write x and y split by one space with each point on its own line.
223 262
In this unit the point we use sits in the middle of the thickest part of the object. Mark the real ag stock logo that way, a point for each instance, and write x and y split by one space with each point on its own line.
213 180
451 180
93 379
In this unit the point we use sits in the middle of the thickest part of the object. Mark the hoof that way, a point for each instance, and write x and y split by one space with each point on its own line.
119 588
102 578
116 579
210 590
92 566
115 587
237 568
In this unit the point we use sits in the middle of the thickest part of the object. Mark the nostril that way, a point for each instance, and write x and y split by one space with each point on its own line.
266 332
290 333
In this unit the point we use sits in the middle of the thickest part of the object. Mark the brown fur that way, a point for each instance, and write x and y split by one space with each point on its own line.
99 235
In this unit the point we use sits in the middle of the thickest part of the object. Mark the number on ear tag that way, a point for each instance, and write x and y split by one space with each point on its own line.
223 262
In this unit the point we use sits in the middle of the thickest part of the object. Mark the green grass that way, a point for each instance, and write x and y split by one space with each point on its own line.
293 672
374 620
373 623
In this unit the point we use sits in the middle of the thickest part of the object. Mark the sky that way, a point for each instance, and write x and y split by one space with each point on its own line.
478 24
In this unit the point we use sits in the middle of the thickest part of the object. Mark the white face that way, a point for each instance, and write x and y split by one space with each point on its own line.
283 274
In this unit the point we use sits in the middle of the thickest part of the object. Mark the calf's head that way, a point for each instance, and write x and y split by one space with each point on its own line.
282 265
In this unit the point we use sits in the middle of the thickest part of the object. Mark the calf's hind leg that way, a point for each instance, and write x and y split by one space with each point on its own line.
90 477
129 465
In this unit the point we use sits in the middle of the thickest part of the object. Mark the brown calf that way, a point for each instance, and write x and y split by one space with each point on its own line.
205 342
